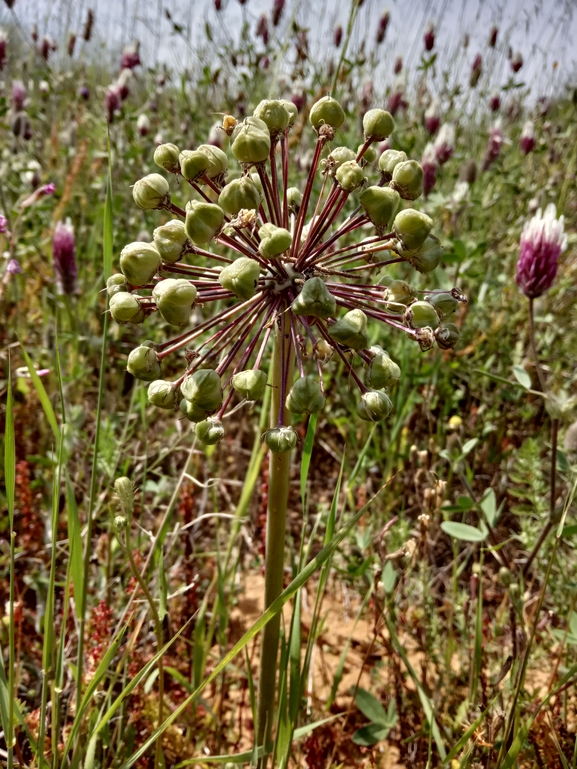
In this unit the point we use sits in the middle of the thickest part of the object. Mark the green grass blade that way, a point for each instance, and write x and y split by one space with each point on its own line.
74 543
470 731
306 456
42 395
273 609
7 701
107 234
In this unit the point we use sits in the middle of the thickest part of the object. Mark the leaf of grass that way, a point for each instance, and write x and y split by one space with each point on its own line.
107 233
75 543
42 395
7 702
307 454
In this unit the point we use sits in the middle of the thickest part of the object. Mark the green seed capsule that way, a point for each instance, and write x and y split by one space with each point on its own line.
315 299
175 299
166 156
382 371
327 111
369 155
374 406
378 125
116 284
349 175
191 411
251 141
399 293
203 221
280 439
294 199
421 315
203 389
380 204
151 192
193 164
447 336
274 114
274 241
240 277
427 257
337 157
139 262
239 194
125 308
143 363
351 330
170 240
412 228
209 431
444 303
162 394
292 110
124 488
256 180
217 160
408 180
389 160
250 384
306 396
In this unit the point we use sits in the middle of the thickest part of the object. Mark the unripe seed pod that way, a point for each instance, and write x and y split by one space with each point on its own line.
378 125
306 396
369 155
209 431
280 439
422 314
505 576
444 303
251 141
217 160
125 308
175 299
203 389
274 241
151 192
398 295
274 114
382 371
374 406
250 384
166 156
139 262
170 240
292 110
125 492
323 351
239 194
388 160
193 164
380 204
191 411
294 199
447 336
349 175
162 394
327 111
143 363
315 299
351 330
408 180
115 284
427 257
240 277
203 221
256 180
412 228
337 157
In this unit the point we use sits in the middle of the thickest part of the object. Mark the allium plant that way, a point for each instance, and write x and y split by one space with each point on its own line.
286 267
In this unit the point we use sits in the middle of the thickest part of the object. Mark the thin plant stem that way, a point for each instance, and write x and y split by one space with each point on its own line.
279 476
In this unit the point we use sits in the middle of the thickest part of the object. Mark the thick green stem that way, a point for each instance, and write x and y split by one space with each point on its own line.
279 476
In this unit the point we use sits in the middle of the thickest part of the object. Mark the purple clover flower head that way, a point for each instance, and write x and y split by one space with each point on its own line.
262 29
18 95
542 242
277 11
13 267
433 117
494 145
3 45
445 143
112 102
3 224
429 37
398 65
130 57
382 28
476 70
143 124
84 93
493 36
64 258
516 61
495 101
528 138
48 189
429 166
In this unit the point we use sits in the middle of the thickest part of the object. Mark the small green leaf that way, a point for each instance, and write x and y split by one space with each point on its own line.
488 505
569 531
469 446
371 734
389 578
463 531
370 706
42 395
465 503
522 377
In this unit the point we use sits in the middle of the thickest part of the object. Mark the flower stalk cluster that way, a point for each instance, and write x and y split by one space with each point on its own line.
284 264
